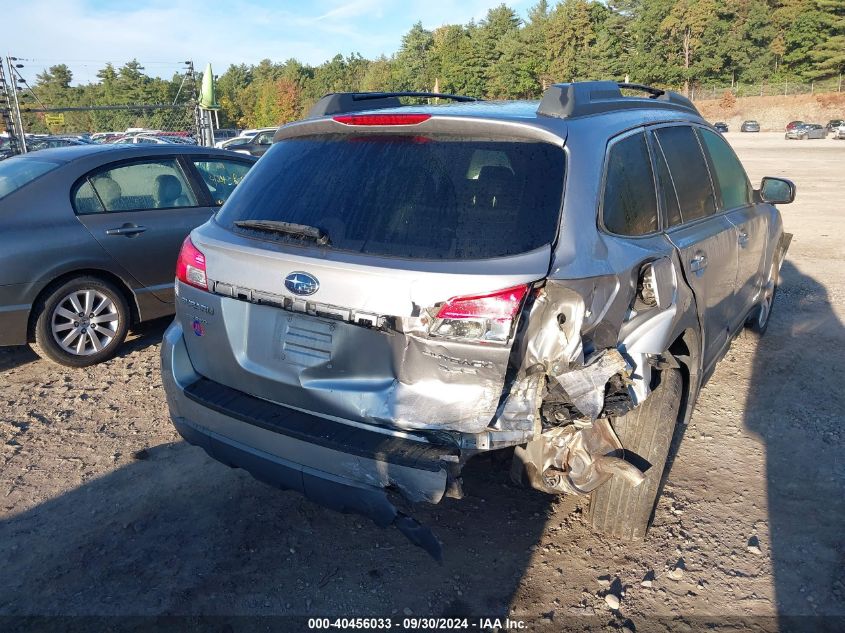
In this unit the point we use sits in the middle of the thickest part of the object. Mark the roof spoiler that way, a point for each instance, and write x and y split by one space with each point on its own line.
583 98
343 102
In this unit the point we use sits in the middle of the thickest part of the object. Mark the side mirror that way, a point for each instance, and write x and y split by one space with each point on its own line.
777 190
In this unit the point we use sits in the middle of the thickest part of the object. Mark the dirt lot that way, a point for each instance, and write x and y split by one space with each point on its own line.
774 112
750 526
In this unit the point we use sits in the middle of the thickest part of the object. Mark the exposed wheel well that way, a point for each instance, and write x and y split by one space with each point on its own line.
687 351
131 301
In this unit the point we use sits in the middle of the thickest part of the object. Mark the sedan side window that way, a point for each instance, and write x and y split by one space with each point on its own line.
630 203
689 171
157 184
221 177
265 138
730 176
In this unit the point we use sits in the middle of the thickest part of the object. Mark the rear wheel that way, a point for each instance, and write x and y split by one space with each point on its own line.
758 321
81 322
617 508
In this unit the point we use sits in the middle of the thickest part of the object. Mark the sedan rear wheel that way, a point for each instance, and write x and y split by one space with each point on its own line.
81 322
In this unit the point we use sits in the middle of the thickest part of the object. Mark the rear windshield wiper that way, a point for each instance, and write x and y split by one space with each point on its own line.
286 228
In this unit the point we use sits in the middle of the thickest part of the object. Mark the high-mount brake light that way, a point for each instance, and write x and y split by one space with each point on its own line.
487 317
190 267
381 119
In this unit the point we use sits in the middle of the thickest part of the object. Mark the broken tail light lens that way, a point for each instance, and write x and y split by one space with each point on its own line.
487 317
190 267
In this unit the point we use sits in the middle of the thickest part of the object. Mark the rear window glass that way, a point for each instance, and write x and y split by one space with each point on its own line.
630 203
439 197
17 172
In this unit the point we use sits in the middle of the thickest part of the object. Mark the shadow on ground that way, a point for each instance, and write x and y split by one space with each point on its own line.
176 533
797 411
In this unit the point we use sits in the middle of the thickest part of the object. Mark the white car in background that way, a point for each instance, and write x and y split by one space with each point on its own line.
839 132
148 139
243 137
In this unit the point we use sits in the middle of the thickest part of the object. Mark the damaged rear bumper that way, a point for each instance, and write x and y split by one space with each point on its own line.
343 467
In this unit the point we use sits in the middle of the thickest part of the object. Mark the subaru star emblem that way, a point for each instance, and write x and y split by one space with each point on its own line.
300 283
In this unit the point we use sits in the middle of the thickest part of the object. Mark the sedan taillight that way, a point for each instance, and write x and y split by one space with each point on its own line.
190 267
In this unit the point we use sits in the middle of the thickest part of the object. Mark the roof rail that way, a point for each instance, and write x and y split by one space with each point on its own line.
594 97
341 102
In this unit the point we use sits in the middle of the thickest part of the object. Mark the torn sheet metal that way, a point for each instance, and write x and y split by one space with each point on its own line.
574 460
586 386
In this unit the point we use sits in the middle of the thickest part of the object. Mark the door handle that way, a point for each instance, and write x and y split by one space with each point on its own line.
698 263
127 230
743 238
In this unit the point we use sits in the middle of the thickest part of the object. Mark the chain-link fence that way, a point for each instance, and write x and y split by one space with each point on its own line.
767 89
43 109
178 118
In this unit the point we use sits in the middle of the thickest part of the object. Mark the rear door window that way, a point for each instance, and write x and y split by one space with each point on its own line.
155 184
629 206
666 188
731 180
433 197
689 171
221 177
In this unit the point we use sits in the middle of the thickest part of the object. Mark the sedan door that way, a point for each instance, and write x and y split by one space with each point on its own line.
706 242
140 212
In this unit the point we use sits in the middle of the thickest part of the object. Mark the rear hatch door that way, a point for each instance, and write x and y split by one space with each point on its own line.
377 278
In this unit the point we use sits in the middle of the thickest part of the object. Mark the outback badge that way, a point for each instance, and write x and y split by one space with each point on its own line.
302 284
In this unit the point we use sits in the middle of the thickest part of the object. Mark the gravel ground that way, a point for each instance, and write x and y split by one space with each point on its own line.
104 511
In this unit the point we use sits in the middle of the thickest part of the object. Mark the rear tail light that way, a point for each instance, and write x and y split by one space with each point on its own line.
381 119
486 317
190 267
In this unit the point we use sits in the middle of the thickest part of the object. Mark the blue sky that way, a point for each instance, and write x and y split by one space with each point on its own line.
85 34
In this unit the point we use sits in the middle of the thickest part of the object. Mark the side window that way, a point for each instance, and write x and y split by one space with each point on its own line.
265 138
629 206
667 188
730 176
85 200
689 171
157 184
221 177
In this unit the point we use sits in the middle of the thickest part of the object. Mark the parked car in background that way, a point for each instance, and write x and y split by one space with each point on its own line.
257 146
720 126
238 140
833 124
36 143
839 133
106 137
144 139
806 131
5 147
750 126
89 237
395 290
793 124
224 134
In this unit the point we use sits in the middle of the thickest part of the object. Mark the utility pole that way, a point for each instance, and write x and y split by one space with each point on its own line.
14 104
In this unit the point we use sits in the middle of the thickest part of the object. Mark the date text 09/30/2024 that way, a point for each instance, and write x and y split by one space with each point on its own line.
421 623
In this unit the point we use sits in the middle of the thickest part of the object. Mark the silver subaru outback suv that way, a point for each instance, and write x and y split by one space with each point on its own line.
395 289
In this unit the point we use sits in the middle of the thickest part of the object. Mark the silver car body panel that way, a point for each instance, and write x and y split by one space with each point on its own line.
358 349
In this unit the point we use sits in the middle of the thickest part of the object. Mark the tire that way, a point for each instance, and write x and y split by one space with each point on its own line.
617 508
96 339
758 321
